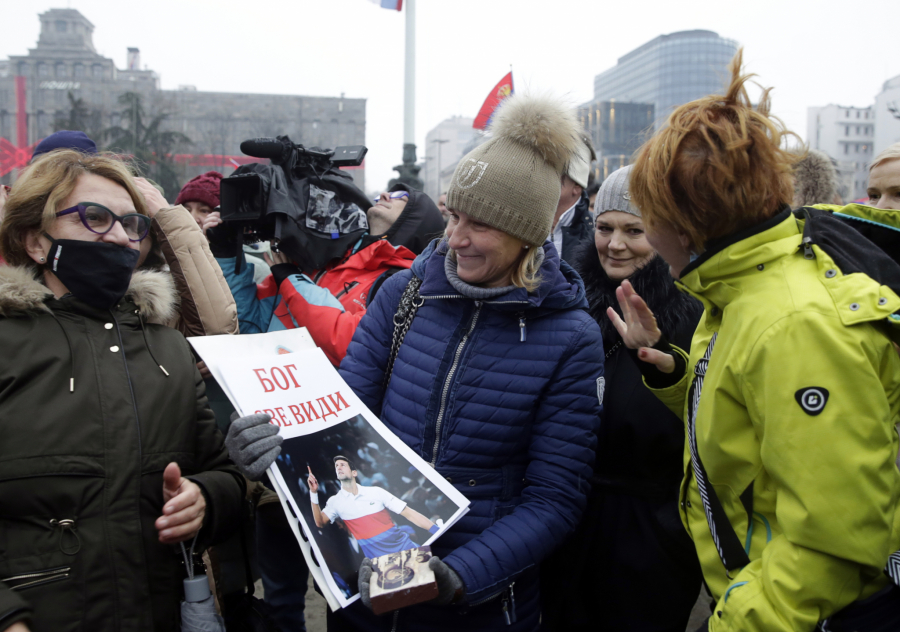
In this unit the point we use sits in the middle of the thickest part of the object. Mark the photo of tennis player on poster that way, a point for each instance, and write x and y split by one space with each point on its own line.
363 499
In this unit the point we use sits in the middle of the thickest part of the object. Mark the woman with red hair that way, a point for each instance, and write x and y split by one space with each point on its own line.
791 389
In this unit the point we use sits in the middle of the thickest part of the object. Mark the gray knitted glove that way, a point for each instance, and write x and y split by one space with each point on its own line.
365 576
253 444
450 586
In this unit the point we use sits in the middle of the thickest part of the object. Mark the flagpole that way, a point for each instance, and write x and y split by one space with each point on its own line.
409 98
409 170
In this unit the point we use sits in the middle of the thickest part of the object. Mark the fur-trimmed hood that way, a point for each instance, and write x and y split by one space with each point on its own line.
153 292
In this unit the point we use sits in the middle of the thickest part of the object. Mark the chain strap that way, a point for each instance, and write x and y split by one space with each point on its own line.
409 304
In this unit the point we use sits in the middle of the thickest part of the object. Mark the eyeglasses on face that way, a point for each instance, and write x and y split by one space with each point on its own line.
396 195
100 220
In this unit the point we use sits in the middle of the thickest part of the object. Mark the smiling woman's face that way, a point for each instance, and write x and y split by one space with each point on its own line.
621 244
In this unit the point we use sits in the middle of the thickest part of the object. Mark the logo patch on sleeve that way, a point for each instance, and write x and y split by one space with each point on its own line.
601 387
812 399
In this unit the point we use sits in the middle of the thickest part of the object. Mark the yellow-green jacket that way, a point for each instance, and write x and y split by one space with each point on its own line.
826 488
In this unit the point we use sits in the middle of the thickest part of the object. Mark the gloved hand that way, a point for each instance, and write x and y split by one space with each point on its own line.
450 586
223 241
253 444
365 576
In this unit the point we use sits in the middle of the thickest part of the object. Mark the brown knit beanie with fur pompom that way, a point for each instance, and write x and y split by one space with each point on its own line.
512 182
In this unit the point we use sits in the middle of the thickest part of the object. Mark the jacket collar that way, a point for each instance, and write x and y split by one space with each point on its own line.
561 287
21 294
375 255
717 277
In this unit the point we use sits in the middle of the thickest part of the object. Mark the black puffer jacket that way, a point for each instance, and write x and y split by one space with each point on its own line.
89 421
631 532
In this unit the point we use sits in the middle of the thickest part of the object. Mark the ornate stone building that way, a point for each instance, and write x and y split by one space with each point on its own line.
35 89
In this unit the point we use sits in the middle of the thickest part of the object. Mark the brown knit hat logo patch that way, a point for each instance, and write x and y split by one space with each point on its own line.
470 172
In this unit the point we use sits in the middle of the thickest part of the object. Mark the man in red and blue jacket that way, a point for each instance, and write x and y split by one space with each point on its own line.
330 302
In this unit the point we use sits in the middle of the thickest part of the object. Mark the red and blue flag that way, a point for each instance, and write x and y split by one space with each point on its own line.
493 101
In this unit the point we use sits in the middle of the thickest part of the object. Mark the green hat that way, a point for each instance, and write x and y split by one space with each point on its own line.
512 182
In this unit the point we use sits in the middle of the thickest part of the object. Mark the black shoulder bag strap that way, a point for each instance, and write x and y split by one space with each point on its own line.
728 545
410 302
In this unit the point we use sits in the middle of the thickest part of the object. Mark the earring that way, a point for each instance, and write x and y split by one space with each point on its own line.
42 260
527 247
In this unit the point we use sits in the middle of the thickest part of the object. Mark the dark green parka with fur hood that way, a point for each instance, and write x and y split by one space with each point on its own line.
88 422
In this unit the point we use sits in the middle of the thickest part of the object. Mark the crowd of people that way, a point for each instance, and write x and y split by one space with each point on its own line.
685 377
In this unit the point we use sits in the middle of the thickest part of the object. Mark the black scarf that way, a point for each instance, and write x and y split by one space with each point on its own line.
652 282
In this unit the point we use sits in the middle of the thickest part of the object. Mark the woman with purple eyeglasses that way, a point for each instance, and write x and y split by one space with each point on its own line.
110 454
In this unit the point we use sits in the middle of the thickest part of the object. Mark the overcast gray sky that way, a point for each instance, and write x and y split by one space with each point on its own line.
811 52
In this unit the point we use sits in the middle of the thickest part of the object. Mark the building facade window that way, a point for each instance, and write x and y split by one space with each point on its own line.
43 70
79 70
61 71
61 26
97 71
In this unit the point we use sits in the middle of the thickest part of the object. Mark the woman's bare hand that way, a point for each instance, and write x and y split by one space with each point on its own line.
184 508
211 220
154 199
639 329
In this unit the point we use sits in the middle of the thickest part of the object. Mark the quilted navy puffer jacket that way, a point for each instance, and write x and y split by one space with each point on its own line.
502 397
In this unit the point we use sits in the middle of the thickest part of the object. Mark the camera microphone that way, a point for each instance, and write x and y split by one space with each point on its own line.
270 148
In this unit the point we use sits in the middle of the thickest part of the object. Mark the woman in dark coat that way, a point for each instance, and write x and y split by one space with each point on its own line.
110 454
631 541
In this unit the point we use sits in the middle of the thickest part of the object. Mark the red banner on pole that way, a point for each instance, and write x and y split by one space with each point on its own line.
495 98
21 113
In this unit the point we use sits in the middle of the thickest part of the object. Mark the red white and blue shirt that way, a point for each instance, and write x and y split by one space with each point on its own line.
365 514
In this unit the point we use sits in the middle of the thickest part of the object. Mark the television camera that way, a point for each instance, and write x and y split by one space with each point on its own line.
302 201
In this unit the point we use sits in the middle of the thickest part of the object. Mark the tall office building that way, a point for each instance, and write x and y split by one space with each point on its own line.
616 129
668 71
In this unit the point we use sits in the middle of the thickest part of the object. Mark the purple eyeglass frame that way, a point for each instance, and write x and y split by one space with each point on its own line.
81 207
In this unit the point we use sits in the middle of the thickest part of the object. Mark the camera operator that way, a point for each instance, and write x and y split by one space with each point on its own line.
331 301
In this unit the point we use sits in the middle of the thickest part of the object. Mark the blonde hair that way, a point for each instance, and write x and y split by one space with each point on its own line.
527 273
890 153
717 167
41 189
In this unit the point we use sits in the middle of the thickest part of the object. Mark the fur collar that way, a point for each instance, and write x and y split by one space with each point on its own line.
653 283
153 293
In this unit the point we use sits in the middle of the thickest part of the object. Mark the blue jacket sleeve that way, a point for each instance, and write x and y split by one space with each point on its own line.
254 314
366 360
561 455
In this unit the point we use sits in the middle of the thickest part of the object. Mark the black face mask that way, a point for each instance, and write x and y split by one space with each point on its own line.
95 272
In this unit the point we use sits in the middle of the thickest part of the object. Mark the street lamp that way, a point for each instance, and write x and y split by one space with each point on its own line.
439 141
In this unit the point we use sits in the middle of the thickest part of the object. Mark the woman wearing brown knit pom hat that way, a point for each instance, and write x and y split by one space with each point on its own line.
498 380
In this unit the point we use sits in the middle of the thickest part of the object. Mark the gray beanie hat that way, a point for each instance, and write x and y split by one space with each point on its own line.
613 194
512 182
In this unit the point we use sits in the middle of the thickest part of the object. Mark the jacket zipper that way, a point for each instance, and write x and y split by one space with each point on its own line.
347 288
509 603
446 391
137 419
396 620
40 577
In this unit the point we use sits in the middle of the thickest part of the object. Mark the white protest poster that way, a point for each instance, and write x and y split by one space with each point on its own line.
215 349
355 487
